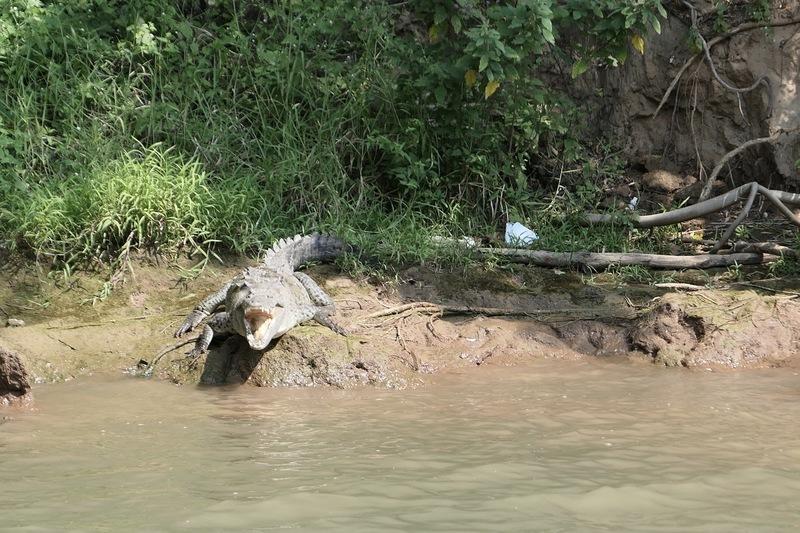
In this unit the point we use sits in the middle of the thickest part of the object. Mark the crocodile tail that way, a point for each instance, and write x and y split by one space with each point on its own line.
288 254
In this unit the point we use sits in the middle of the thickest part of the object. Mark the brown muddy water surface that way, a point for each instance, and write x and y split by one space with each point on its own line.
551 446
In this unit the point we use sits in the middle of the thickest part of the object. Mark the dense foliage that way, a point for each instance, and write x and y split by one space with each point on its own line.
154 123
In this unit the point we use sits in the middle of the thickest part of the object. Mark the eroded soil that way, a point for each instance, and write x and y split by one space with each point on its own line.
499 317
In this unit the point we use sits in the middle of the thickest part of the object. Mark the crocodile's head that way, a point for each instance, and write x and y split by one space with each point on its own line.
258 316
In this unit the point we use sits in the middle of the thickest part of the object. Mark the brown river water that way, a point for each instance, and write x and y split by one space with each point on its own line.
551 446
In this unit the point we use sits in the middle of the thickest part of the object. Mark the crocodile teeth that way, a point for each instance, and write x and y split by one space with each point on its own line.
258 320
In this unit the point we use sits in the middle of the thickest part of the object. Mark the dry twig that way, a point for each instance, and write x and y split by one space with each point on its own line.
679 286
149 370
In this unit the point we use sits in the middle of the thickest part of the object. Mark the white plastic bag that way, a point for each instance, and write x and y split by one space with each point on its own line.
519 235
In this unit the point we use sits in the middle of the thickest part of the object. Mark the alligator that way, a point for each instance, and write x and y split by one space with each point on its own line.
265 301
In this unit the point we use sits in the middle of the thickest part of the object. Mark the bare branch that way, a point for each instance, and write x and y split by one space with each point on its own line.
701 209
707 186
735 224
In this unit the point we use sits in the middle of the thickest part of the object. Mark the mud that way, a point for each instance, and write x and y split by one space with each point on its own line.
731 329
507 316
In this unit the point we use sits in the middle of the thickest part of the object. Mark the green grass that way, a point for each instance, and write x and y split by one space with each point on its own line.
172 127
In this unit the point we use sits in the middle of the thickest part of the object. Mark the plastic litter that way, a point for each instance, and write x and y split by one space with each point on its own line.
633 203
467 242
519 235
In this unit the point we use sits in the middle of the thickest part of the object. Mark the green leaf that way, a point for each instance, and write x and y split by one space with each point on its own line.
483 63
579 67
470 77
547 31
455 20
657 26
433 33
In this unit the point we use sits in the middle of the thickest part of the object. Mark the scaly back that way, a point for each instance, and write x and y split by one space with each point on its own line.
288 254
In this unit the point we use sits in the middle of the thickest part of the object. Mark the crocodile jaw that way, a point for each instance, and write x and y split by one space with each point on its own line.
263 325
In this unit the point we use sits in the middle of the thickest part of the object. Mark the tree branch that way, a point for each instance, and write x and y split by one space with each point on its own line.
701 209
708 185
735 224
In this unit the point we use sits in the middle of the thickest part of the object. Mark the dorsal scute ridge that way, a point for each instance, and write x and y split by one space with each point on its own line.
288 254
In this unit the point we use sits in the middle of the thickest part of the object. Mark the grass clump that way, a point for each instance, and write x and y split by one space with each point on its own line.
150 199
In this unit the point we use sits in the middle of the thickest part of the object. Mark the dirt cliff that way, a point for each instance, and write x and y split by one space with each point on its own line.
702 120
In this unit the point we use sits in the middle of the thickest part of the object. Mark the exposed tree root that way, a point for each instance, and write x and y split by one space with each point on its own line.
745 211
778 198
710 43
706 192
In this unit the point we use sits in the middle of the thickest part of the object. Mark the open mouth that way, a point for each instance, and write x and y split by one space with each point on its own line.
258 322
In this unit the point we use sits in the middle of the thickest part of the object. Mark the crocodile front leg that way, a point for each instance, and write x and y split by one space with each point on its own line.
219 323
323 316
208 306
315 292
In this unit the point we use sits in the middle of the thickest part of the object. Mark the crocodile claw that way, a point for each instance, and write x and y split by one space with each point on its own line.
193 357
195 353
194 318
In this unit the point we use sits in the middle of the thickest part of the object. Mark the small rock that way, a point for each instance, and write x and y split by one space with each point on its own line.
663 181
15 322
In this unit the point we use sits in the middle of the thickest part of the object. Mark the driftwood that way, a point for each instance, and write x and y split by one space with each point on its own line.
772 248
680 286
600 261
751 254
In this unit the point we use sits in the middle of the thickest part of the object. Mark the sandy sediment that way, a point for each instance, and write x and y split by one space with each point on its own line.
478 318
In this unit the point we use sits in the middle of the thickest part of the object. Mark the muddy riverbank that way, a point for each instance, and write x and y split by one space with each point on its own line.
506 316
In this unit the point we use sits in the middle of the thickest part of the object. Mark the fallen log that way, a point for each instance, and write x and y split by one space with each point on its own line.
599 261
